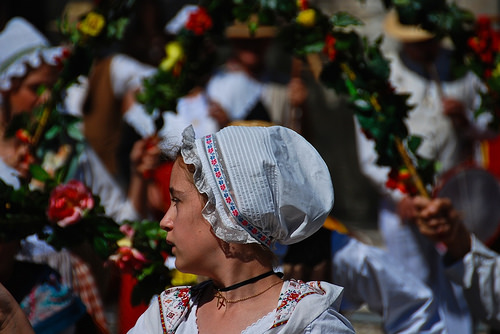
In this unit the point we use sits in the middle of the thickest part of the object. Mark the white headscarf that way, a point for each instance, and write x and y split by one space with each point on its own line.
264 184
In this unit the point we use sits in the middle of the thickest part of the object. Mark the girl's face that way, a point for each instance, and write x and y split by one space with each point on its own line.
33 90
194 244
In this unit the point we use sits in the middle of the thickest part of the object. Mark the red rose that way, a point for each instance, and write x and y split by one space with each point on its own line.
69 202
199 21
129 259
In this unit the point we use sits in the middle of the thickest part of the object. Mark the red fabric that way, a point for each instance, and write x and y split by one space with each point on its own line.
162 179
491 153
128 314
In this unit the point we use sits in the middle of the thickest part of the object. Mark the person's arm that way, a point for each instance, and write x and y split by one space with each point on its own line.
470 263
144 157
370 277
12 318
478 272
461 110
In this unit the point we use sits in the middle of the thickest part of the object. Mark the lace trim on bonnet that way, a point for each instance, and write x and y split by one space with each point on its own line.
19 67
224 227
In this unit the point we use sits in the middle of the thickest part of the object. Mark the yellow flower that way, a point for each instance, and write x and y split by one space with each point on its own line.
496 71
179 278
174 55
92 24
124 242
307 18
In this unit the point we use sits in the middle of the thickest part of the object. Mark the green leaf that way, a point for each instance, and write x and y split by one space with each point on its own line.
343 19
53 131
314 48
414 142
41 89
75 133
101 247
38 173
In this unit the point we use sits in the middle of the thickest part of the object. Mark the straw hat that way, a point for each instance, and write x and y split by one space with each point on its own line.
402 32
242 29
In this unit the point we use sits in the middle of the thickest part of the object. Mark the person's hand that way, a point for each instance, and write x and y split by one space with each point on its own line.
297 92
440 222
12 318
406 209
216 111
145 156
455 110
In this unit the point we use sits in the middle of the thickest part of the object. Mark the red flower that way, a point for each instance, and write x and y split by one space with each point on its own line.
199 21
69 202
487 73
23 135
483 22
401 180
127 230
487 57
329 48
303 4
128 259
66 52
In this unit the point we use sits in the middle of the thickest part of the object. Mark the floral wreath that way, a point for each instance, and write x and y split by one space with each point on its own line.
344 61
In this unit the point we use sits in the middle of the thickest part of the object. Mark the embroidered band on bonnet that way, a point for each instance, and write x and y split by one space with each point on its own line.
264 184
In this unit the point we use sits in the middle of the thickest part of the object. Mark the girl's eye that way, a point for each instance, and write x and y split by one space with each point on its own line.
175 200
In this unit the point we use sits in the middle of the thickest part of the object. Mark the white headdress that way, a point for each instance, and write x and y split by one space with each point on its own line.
21 44
264 184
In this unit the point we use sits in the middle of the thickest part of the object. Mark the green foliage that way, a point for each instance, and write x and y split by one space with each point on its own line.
150 240
344 20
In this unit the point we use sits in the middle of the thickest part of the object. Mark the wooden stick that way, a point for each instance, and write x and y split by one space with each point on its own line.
411 168
41 126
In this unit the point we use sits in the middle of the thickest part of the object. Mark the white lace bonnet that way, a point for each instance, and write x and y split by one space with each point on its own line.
264 184
21 44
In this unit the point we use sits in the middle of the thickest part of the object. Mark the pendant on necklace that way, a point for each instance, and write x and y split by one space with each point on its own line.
221 300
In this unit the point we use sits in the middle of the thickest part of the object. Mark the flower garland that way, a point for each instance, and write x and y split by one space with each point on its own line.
347 62
483 58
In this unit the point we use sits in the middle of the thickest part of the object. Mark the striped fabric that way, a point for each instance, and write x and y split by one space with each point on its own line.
85 287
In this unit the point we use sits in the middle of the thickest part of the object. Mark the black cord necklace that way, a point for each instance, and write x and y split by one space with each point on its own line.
246 282
222 301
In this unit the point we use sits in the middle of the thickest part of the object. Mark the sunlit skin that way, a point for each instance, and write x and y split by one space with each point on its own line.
23 97
28 95
200 252
188 232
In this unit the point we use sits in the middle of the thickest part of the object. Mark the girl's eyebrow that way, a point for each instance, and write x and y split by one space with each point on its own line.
174 192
